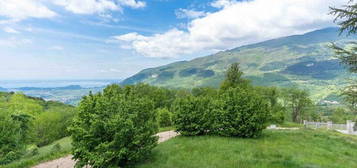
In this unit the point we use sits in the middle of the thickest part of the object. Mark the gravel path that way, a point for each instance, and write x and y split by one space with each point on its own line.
67 162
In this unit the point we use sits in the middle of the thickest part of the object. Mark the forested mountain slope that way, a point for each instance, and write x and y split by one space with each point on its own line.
304 60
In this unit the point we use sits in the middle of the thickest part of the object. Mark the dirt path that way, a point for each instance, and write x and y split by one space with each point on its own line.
67 162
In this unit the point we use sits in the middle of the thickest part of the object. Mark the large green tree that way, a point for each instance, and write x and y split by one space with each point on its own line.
299 103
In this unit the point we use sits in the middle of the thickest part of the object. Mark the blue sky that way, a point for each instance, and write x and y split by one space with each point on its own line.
113 39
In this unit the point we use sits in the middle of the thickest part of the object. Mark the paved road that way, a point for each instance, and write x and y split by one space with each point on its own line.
67 162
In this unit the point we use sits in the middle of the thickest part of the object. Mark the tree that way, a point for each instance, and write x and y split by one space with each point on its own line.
234 78
272 96
299 103
165 117
339 115
346 17
349 94
113 128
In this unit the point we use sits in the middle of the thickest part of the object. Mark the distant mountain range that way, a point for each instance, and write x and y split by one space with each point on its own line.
66 91
51 88
303 61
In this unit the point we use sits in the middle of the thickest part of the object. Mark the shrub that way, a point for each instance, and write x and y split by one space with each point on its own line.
9 157
11 139
244 113
194 115
34 151
56 148
113 129
164 117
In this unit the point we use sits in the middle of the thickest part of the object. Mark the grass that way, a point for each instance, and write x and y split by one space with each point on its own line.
274 149
45 153
291 125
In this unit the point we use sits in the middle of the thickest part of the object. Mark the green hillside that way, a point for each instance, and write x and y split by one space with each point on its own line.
275 149
28 123
300 60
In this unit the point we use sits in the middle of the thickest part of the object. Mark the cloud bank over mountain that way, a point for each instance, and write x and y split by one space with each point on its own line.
235 23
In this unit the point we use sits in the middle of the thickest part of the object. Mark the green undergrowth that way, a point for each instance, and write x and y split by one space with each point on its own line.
55 150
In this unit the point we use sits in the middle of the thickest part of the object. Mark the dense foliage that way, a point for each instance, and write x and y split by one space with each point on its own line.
26 121
235 110
114 128
195 115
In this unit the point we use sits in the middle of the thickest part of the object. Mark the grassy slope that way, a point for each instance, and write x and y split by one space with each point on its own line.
45 153
277 149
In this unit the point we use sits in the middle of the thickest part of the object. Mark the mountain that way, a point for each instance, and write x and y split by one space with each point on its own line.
304 61
52 88
70 94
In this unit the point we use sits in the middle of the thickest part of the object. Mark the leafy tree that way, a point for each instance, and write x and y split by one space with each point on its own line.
339 115
113 128
234 78
165 117
204 91
272 96
299 103
52 125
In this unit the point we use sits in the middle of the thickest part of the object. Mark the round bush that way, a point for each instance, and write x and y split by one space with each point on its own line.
193 115
113 129
244 113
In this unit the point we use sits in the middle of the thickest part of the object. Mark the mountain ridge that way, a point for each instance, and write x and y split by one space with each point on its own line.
285 62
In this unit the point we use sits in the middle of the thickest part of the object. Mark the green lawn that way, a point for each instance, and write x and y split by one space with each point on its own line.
44 153
275 149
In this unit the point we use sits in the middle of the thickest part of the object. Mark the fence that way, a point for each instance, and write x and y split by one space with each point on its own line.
345 128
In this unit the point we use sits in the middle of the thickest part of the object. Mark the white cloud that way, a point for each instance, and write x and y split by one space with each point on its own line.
16 10
22 9
132 3
222 3
97 6
187 13
87 6
130 37
236 24
10 30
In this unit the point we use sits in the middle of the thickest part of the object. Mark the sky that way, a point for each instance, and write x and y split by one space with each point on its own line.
114 39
